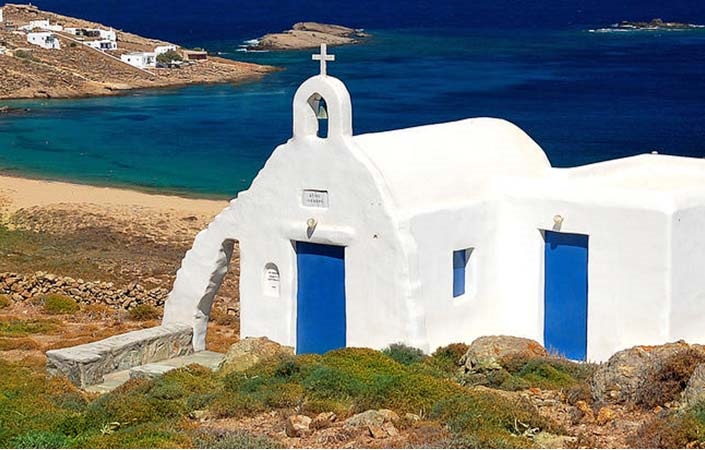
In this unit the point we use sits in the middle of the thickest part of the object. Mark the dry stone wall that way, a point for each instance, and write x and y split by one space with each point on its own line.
22 287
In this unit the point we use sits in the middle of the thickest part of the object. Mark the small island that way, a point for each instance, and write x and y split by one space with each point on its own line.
308 35
654 24
48 55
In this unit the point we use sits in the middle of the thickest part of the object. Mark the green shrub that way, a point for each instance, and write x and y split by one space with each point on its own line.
168 57
59 304
23 54
14 327
446 358
403 354
234 439
144 312
40 439
5 301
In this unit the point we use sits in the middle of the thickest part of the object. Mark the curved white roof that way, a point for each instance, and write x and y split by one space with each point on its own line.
455 162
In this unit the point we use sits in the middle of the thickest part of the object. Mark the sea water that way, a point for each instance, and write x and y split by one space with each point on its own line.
584 97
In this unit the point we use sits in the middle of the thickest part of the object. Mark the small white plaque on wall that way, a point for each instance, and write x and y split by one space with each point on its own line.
314 198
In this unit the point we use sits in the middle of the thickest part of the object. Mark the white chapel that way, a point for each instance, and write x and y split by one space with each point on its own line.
447 232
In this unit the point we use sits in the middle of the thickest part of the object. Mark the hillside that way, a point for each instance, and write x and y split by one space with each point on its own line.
76 70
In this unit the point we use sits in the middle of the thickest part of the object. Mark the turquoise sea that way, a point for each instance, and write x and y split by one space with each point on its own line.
583 96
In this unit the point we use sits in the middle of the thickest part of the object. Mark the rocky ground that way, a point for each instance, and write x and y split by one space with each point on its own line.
305 35
28 71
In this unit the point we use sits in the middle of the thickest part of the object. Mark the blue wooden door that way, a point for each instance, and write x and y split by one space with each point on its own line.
320 310
565 295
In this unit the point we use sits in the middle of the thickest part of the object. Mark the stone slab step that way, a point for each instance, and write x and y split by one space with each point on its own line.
87 364
205 358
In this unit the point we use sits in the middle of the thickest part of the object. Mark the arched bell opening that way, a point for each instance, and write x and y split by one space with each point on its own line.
320 110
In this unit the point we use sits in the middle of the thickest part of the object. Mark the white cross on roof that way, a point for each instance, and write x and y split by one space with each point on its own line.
324 57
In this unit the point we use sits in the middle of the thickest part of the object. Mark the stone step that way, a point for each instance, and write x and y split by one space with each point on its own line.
205 358
87 364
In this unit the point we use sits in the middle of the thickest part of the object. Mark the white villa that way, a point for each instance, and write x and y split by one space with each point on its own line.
103 44
160 50
447 232
41 25
142 60
1 16
44 39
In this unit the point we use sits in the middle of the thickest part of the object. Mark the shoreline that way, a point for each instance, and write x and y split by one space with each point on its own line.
252 78
18 192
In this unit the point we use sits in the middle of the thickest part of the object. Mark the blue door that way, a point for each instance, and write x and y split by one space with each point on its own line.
565 295
320 310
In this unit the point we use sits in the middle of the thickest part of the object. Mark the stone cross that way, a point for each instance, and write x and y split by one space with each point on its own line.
324 57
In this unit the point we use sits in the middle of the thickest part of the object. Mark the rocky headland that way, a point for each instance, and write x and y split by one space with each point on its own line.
305 35
77 70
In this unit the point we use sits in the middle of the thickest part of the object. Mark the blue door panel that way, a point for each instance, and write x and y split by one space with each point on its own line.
320 315
565 296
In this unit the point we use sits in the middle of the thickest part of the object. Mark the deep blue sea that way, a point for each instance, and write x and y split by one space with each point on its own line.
584 97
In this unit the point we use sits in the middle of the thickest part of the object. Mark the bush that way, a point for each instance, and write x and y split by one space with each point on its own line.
59 304
144 312
403 354
234 439
5 301
14 327
446 358
668 380
169 56
40 439
23 54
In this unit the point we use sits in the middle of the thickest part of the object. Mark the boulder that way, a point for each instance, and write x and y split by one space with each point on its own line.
323 420
246 353
365 419
486 353
646 375
695 390
298 426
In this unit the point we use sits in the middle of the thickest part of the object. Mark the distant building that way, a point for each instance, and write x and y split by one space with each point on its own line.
160 50
103 44
143 60
196 55
109 35
44 39
41 25
1 19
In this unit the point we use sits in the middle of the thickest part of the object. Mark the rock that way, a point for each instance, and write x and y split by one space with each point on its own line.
199 414
695 390
604 416
246 353
486 353
323 420
390 429
389 415
377 432
365 419
298 426
586 412
629 375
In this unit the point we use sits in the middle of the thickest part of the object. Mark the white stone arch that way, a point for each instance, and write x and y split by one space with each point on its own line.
200 276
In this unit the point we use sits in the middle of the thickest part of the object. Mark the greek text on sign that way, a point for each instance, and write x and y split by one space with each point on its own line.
315 199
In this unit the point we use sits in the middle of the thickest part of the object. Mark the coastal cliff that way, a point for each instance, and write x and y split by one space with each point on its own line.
305 35
78 70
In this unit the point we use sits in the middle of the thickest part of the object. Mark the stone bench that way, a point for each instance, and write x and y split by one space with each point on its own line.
86 364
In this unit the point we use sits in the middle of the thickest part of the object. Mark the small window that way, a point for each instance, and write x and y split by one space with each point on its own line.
461 258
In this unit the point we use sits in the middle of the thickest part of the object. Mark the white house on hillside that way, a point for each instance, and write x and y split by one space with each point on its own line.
103 44
41 25
1 16
44 39
447 232
143 60
160 50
